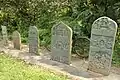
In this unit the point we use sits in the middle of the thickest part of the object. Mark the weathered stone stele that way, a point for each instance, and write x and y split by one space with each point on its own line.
1 37
1 40
101 46
16 40
61 43
33 40
4 33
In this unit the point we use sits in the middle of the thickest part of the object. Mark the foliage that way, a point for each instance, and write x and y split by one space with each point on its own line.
78 14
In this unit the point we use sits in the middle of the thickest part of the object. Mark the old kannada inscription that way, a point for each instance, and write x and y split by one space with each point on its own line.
61 43
4 33
101 46
33 40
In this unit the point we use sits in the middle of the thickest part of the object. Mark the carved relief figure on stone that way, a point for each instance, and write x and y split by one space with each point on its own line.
101 46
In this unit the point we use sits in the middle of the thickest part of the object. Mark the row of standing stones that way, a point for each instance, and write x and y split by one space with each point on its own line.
101 43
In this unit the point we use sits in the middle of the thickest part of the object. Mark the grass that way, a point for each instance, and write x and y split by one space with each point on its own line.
14 69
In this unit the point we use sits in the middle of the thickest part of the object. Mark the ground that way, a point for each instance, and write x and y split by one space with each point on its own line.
76 71
13 69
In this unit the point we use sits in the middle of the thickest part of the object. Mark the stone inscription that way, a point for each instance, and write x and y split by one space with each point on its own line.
33 40
16 40
4 33
61 43
102 41
101 46
100 56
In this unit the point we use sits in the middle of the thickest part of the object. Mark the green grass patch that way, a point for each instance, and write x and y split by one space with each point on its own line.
14 69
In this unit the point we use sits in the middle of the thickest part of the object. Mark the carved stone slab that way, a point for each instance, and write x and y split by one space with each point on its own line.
101 46
16 40
4 33
33 40
61 43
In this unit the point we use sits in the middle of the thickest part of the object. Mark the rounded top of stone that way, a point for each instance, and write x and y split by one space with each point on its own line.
63 25
105 21
16 33
33 28
104 17
3 26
